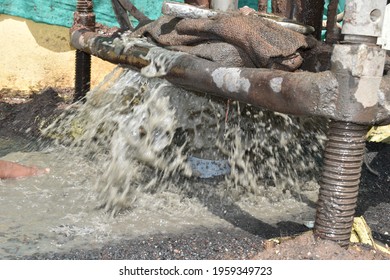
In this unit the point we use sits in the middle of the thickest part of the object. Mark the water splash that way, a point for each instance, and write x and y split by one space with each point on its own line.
142 130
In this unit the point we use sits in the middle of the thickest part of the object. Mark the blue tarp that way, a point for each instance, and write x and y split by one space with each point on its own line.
60 12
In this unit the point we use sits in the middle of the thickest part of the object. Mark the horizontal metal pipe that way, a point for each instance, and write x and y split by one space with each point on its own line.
280 91
297 93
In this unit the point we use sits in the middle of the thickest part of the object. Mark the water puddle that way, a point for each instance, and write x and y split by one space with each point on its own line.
120 169
59 211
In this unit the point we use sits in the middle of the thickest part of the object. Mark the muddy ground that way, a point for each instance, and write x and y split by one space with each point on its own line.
21 117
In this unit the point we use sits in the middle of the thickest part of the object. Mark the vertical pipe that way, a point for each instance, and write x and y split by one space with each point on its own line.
306 11
282 7
332 31
311 14
339 184
82 75
263 6
84 16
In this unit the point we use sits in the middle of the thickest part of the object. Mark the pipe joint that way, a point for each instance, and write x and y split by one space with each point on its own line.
84 15
359 70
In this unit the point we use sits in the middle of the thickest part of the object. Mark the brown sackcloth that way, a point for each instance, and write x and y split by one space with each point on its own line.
252 40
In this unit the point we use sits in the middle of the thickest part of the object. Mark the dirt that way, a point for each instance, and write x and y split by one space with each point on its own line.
22 117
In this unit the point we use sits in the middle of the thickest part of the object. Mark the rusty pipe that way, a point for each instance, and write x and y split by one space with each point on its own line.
298 93
121 15
308 12
311 14
332 31
291 93
262 6
83 16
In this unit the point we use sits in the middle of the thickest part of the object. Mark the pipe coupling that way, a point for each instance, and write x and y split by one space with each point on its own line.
84 15
359 70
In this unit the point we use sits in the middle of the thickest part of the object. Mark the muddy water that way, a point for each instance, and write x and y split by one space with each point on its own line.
119 169
59 211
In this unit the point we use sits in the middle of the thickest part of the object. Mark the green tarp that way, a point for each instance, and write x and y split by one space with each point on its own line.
61 12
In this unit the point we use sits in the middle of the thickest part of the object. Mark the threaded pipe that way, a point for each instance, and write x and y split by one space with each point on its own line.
82 74
84 15
339 184
84 6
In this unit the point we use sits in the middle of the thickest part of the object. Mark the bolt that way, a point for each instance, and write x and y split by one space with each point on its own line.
84 15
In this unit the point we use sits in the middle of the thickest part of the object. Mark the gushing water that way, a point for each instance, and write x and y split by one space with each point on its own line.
126 151
144 129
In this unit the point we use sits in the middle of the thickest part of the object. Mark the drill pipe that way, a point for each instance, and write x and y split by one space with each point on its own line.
297 93
341 173
85 16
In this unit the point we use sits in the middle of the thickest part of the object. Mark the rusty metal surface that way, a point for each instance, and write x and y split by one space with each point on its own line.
311 14
282 7
332 31
121 15
297 93
84 16
308 12
128 6
263 6
300 93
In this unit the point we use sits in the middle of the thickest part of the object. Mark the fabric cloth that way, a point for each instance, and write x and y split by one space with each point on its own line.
254 41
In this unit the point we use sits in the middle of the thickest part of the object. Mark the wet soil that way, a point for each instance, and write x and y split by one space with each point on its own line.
21 118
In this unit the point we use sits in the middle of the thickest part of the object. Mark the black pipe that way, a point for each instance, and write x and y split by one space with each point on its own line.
82 75
312 11
83 16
